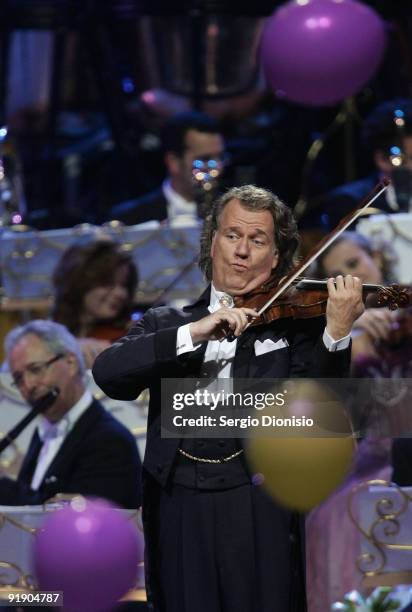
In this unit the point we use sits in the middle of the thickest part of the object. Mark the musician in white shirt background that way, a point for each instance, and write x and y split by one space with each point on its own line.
77 447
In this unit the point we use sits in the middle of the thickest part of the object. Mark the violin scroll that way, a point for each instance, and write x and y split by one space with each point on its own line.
393 297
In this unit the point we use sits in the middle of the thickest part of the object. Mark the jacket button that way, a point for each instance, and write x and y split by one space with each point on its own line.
201 478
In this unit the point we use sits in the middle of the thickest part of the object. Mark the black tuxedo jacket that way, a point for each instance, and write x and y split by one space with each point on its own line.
98 458
151 206
148 353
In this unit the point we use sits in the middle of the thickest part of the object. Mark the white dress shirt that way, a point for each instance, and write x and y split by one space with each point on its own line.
178 209
220 354
53 435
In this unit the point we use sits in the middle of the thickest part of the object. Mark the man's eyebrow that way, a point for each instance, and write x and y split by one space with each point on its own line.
262 232
237 228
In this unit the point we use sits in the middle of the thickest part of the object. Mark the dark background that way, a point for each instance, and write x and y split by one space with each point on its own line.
113 79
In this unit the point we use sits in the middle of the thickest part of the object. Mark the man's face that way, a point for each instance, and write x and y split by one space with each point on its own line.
34 378
243 249
198 145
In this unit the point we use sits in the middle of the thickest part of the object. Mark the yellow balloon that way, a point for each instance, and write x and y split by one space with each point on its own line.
301 472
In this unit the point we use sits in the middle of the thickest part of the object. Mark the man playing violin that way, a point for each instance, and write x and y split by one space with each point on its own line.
215 541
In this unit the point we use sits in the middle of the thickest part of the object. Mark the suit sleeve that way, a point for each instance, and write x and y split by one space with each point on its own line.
148 351
15 493
309 355
108 466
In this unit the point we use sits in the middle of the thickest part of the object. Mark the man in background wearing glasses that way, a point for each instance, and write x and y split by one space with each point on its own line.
77 447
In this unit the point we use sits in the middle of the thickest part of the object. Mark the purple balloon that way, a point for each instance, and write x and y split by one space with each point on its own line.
318 52
89 550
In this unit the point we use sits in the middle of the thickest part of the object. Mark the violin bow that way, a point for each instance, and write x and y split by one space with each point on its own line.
328 240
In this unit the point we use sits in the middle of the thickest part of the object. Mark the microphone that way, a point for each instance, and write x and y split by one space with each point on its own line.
39 406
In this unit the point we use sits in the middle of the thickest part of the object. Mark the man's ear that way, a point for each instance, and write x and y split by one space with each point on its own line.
275 260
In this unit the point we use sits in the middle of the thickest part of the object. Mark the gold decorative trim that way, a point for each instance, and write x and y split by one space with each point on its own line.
16 458
389 579
23 581
5 518
386 525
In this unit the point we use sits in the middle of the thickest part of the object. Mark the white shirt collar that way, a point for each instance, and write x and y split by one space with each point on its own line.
177 206
61 428
215 296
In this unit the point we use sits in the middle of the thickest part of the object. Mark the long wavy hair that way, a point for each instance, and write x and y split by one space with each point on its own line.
83 267
286 236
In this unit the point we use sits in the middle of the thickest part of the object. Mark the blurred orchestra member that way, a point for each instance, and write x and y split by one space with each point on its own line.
77 447
387 140
94 289
194 157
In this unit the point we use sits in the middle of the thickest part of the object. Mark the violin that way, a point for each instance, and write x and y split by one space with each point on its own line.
294 297
307 298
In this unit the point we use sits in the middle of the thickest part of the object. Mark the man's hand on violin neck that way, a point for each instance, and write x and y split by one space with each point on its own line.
220 324
344 306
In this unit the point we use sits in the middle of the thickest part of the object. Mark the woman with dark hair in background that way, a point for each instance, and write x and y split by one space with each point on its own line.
94 287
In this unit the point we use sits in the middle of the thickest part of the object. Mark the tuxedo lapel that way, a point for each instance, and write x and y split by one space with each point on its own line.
244 354
30 459
69 446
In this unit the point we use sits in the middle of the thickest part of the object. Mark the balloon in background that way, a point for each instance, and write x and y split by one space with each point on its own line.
301 471
318 52
89 550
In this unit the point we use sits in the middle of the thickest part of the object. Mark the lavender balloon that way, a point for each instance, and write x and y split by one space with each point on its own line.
318 52
90 551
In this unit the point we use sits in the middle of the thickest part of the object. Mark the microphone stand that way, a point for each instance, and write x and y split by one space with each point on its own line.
39 406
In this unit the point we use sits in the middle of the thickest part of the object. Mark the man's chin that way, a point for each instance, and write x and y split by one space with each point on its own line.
241 289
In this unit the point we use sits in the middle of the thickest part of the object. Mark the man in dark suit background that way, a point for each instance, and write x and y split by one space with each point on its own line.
387 140
192 144
215 541
77 447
